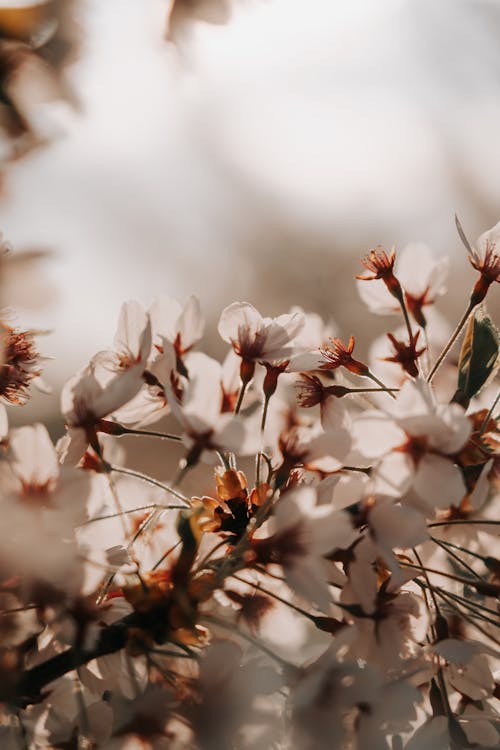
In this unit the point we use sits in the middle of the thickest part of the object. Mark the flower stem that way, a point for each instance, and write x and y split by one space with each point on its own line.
488 416
373 377
453 338
243 388
150 480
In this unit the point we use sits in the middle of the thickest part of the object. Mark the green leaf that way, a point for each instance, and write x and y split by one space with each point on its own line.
479 358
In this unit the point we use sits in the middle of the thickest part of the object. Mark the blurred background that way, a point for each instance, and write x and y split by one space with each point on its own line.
253 150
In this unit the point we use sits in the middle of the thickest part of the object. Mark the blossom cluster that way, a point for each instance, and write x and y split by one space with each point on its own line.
334 581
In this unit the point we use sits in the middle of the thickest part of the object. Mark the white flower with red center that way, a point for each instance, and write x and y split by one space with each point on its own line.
255 338
392 374
466 666
109 381
485 258
338 702
414 444
180 327
41 503
422 277
175 331
205 426
301 534
321 446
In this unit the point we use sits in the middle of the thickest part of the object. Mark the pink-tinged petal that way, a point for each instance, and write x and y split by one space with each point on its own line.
305 362
334 415
78 396
282 330
397 525
432 735
462 652
454 431
377 297
34 456
332 529
308 580
164 364
393 475
474 679
191 323
71 447
415 399
231 434
231 372
374 434
315 332
203 394
490 238
133 334
480 732
439 482
164 313
362 576
342 490
327 452
236 317
144 409
480 492
118 392
421 272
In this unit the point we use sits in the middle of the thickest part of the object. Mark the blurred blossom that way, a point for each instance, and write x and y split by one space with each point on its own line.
271 137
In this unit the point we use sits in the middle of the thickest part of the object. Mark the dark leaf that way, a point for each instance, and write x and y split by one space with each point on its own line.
478 357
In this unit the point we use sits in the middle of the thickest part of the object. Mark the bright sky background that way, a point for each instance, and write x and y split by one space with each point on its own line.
358 121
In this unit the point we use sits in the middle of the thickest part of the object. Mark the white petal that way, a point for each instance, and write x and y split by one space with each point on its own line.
237 316
421 272
203 395
377 297
439 482
393 475
164 313
433 735
35 458
282 330
489 238
397 525
374 434
134 331
191 324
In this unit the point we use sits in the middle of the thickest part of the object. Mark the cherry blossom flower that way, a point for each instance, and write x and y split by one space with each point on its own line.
180 327
406 355
206 427
301 533
338 701
108 382
422 277
40 500
255 338
485 259
415 443
336 354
